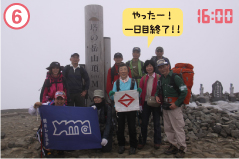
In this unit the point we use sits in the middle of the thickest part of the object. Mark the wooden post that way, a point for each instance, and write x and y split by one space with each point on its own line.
94 48
107 43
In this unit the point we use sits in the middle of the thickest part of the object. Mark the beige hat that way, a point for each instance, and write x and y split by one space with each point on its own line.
161 62
98 93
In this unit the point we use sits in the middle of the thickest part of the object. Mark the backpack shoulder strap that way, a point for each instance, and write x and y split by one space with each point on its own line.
127 63
140 68
64 82
117 85
42 91
160 86
112 74
157 76
67 70
142 64
132 84
172 82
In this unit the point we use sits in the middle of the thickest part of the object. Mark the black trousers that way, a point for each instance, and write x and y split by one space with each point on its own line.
131 120
77 100
145 121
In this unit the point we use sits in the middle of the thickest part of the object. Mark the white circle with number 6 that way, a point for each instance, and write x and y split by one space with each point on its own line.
16 16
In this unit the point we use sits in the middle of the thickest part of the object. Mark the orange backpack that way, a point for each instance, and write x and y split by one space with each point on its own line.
185 71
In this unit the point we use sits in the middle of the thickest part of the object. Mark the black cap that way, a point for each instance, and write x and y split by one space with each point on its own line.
136 49
159 49
54 64
75 54
118 54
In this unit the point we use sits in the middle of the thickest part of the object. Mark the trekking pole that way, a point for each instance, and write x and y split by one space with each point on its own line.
86 102
41 139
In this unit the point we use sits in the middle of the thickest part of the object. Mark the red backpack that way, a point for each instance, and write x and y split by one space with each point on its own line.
185 71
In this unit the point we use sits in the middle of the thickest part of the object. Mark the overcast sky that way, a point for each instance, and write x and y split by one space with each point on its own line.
57 29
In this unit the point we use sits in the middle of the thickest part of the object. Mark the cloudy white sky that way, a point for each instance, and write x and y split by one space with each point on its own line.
56 29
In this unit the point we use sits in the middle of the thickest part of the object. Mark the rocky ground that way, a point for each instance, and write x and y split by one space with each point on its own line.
18 130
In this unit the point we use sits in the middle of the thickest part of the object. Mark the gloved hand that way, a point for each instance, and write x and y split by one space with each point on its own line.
37 104
139 90
104 142
93 106
111 93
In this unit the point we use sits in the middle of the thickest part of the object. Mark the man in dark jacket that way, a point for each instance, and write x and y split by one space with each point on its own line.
74 75
159 55
105 120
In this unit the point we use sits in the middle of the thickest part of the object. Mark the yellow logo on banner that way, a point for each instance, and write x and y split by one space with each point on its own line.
152 22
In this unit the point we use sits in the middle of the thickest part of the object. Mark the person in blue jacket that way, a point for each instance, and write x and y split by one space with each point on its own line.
125 83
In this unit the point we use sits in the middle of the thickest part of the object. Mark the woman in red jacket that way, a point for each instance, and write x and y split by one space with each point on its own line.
54 82
148 84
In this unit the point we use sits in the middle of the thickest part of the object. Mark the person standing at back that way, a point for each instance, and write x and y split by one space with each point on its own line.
113 73
159 55
54 82
74 75
136 65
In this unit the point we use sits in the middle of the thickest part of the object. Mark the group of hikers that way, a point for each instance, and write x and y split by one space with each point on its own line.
152 79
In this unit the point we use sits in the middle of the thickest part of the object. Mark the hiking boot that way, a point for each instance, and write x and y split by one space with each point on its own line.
171 150
132 151
49 154
140 146
180 153
156 146
121 149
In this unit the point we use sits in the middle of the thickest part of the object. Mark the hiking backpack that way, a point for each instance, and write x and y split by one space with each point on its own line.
48 83
142 65
185 71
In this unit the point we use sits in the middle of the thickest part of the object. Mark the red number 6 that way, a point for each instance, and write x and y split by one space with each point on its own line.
205 18
14 16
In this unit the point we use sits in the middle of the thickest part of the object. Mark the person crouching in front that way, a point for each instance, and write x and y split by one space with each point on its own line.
105 120
59 100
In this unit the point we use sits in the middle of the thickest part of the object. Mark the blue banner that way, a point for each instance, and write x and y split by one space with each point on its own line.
70 128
